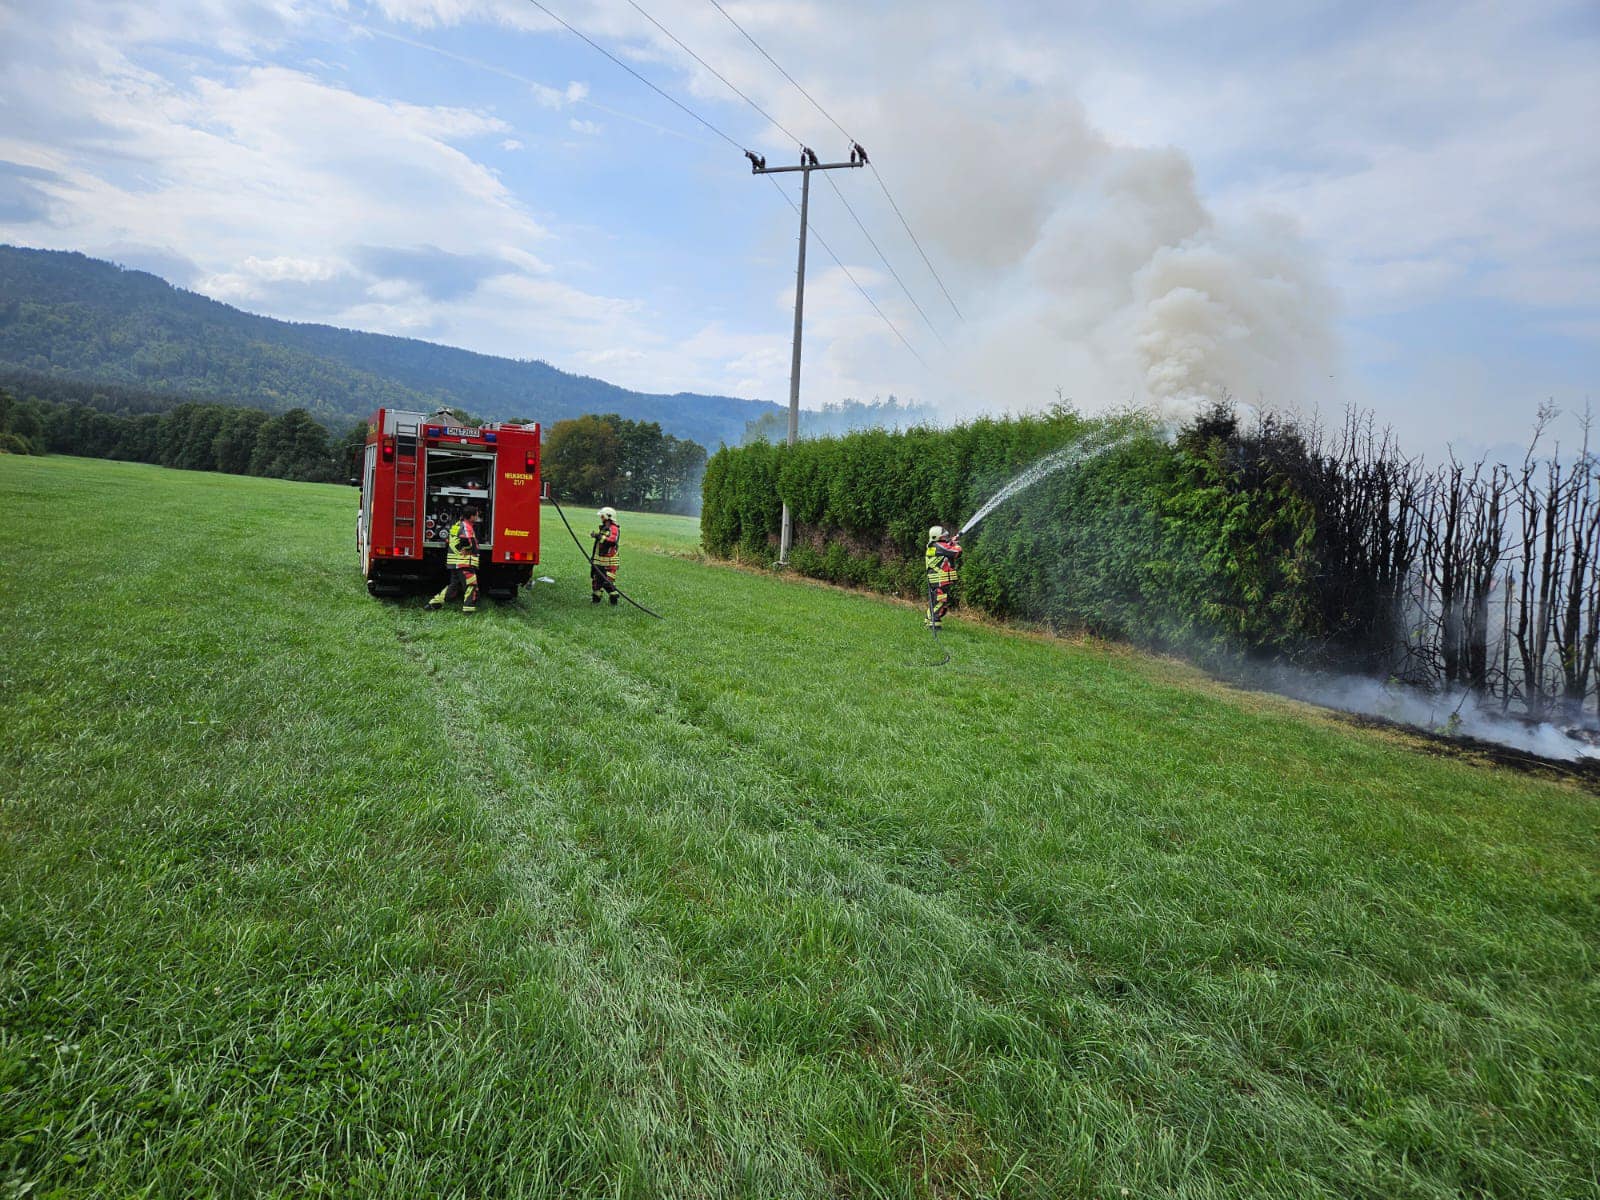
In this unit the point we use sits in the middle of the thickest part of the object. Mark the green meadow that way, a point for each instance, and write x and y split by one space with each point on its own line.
304 893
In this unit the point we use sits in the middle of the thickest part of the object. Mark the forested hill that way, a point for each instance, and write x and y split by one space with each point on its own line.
74 317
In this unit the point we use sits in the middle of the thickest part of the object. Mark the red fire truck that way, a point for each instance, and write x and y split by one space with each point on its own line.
420 473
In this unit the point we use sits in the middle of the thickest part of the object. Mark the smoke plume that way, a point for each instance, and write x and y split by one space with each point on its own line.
1097 269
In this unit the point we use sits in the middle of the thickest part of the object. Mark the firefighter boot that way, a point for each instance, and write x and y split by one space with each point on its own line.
594 597
613 599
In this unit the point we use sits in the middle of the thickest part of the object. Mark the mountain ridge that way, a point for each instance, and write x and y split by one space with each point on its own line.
69 316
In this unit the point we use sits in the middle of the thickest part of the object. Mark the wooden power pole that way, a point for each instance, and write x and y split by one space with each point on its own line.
808 164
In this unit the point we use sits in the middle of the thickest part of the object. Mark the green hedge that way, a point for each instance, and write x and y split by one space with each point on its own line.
1164 544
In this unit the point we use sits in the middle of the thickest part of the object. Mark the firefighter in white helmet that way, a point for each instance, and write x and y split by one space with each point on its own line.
603 563
942 561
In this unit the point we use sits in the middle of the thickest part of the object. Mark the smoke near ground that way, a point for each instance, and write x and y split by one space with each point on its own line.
1451 713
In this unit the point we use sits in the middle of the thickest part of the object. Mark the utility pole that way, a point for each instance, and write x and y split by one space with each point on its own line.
808 164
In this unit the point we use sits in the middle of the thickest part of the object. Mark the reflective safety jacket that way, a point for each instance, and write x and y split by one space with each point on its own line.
463 545
942 561
607 539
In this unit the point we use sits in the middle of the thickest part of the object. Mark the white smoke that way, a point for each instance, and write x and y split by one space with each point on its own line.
1455 714
1079 263
1096 269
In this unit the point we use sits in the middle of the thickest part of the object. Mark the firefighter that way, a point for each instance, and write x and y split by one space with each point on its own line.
603 562
462 560
942 562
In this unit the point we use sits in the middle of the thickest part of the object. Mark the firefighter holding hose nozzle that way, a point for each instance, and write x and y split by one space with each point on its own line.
943 563
603 563
462 559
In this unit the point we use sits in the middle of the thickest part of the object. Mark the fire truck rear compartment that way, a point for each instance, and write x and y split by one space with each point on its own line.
420 478
455 479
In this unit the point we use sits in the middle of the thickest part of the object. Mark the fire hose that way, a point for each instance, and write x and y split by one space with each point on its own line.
593 569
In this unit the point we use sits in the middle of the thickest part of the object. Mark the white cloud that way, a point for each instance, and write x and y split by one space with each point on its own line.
1427 149
1425 153
298 198
553 97
275 159
730 361
256 274
610 357
1093 196
429 14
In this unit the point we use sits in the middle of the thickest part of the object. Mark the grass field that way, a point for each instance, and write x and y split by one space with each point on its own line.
309 894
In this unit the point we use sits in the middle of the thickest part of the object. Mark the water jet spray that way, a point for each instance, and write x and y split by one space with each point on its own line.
1081 451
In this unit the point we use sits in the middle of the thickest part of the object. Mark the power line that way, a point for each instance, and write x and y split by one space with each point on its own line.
715 72
815 104
637 76
884 260
538 85
736 146
914 241
882 316
781 71
853 215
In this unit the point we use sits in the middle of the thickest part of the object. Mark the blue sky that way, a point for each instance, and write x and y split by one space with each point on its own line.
1307 205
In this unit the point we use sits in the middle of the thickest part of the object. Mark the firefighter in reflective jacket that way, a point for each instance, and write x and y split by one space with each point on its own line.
603 566
943 563
462 559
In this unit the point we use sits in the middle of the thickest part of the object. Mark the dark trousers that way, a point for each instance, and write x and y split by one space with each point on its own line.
938 601
602 579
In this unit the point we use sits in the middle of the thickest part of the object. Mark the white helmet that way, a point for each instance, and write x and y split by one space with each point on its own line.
935 533
607 513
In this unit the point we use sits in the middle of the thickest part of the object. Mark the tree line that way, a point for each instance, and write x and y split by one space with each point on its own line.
606 459
601 459
189 436
844 416
1234 542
